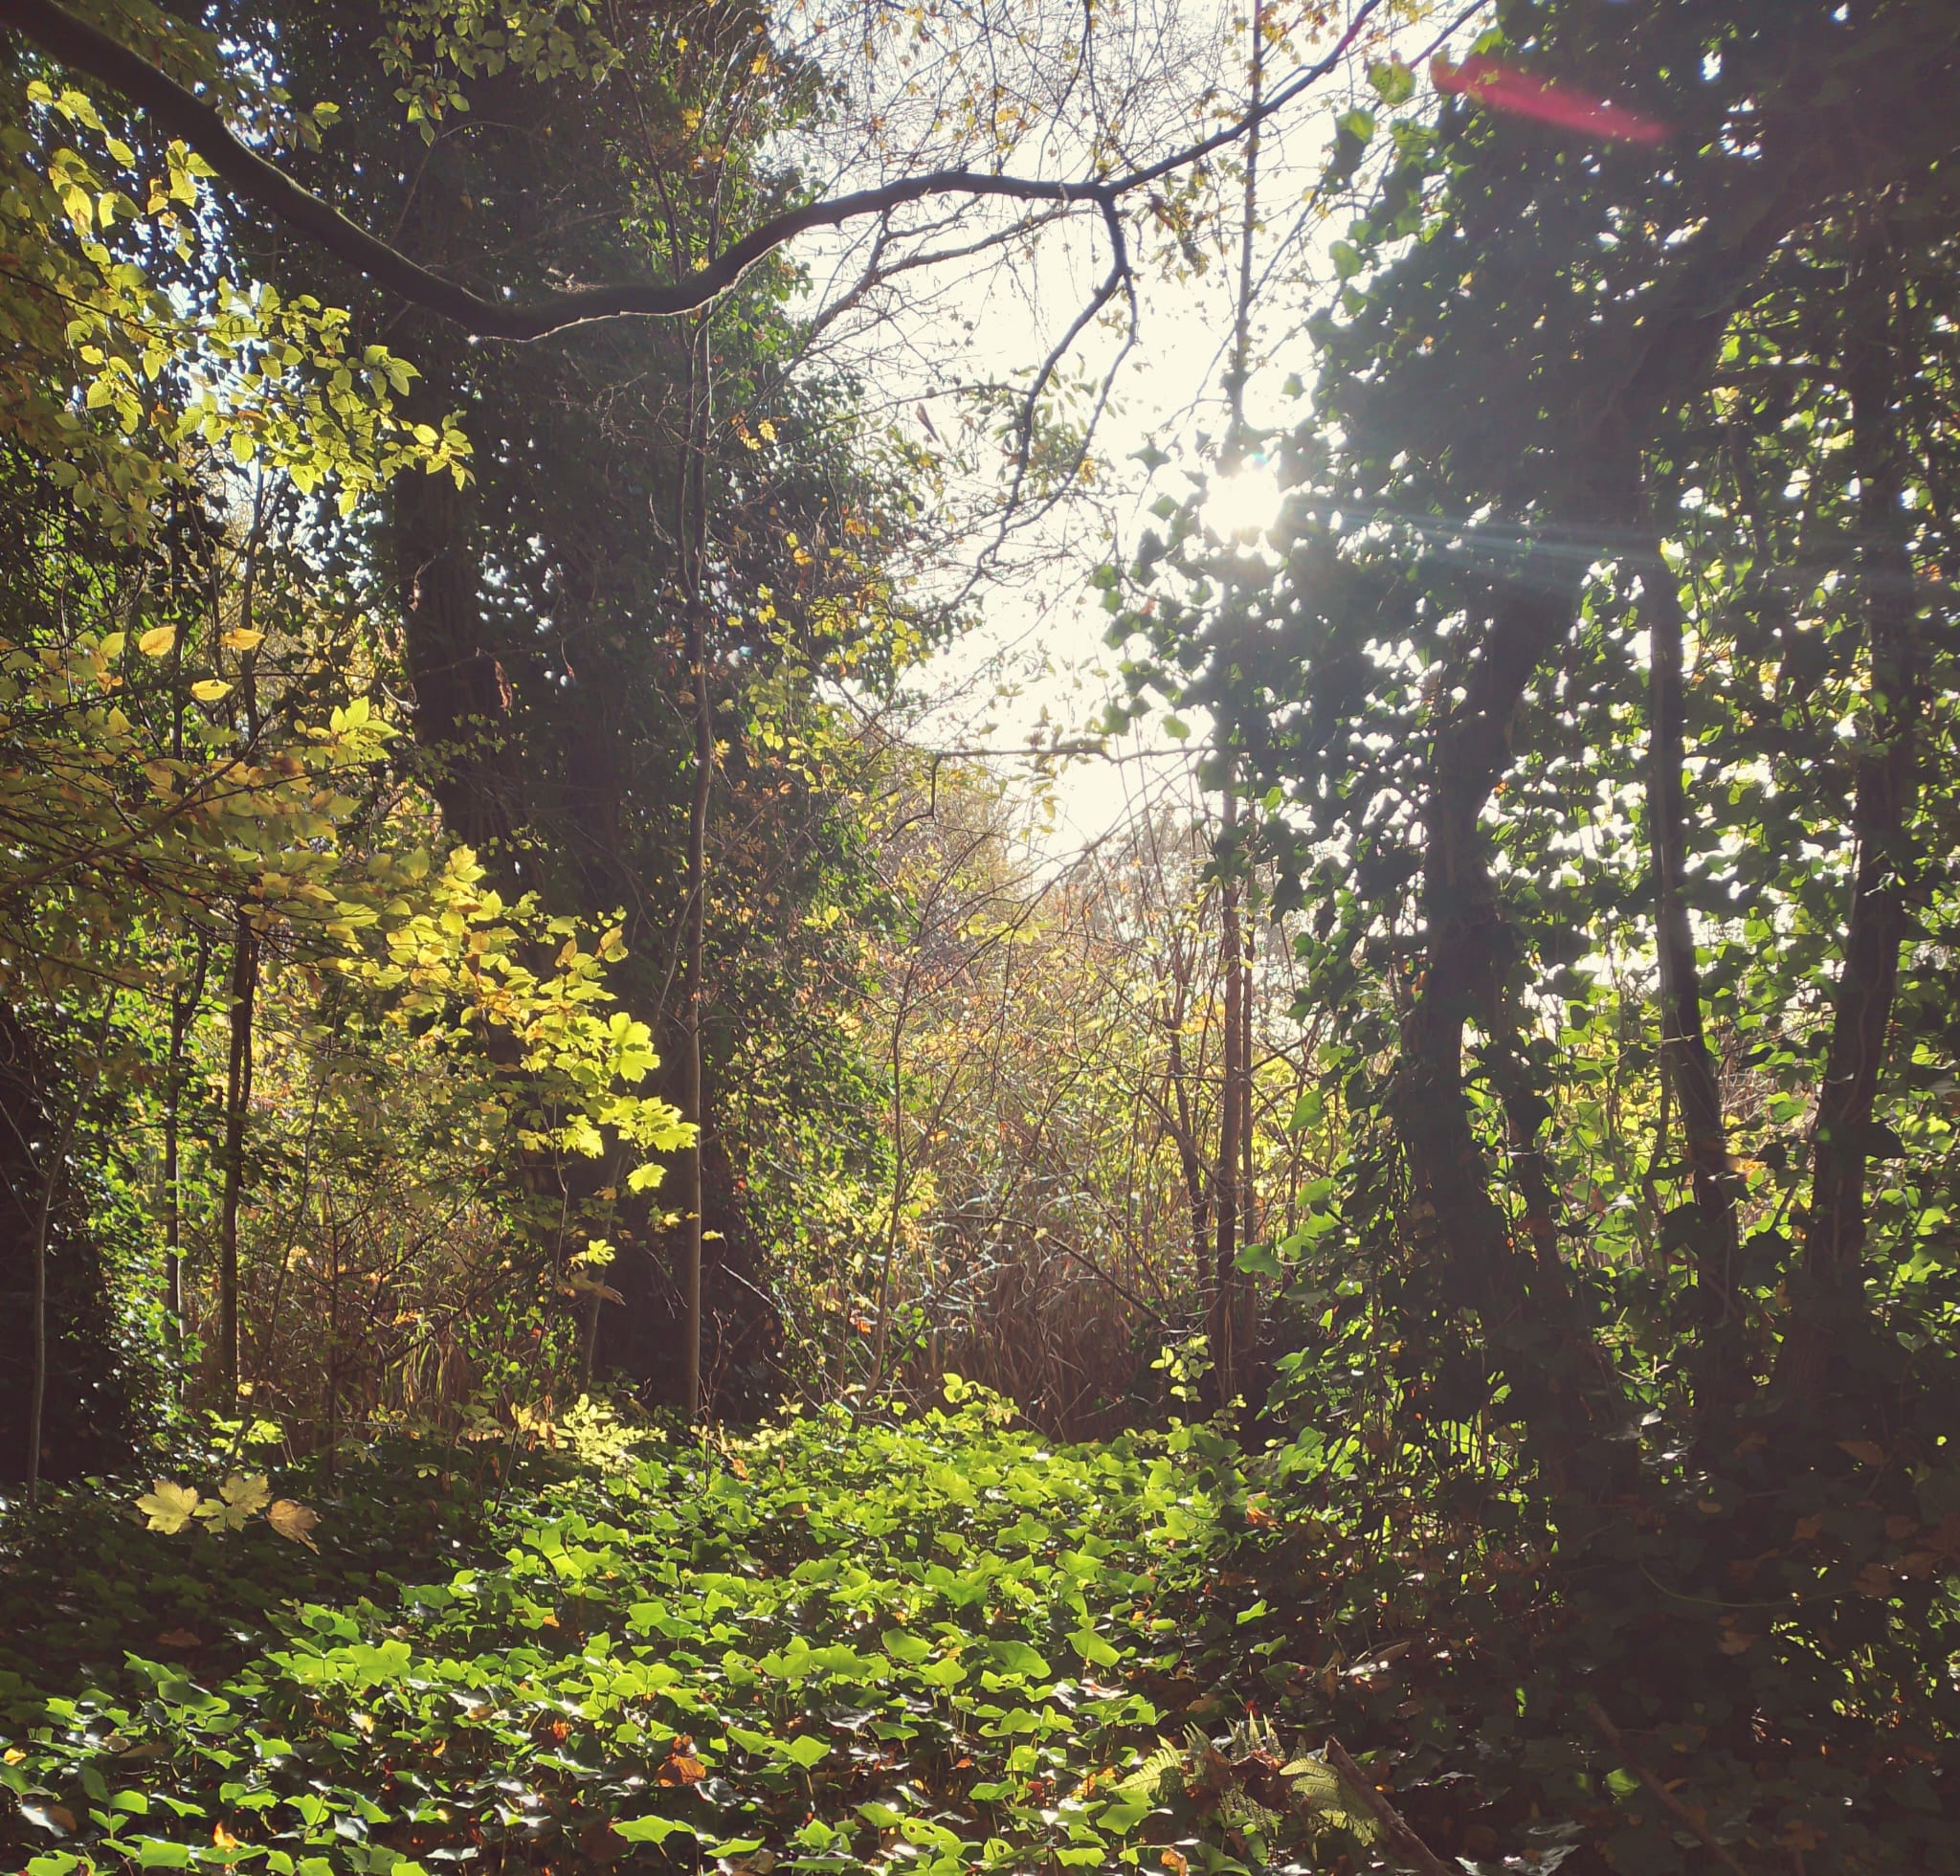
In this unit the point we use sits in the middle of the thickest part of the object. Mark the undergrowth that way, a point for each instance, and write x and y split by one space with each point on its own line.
940 1645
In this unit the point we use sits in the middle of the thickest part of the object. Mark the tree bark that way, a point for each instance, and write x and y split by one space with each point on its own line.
693 536
244 988
1563 1393
1224 1312
1685 1059
1828 1298
462 697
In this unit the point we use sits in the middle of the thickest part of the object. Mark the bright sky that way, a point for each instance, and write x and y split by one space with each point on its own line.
1035 668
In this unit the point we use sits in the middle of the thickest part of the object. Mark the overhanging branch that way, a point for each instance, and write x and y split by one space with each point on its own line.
180 113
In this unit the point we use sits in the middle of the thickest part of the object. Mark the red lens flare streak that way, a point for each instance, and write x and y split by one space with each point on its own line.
1504 88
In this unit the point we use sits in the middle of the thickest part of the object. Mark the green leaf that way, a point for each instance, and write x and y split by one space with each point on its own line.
1018 1657
1092 1648
649 1830
1393 82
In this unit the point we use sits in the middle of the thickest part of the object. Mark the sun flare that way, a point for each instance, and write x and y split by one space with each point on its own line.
1245 502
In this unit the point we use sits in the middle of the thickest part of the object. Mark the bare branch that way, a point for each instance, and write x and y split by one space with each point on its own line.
181 113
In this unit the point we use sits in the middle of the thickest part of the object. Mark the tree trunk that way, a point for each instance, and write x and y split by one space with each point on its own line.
1563 1393
1722 1377
1224 1312
693 537
238 1098
184 1007
1828 1302
462 697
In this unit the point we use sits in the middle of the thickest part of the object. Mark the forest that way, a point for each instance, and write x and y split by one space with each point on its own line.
977 938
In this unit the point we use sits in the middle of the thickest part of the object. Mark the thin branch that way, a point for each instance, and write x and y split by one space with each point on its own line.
182 114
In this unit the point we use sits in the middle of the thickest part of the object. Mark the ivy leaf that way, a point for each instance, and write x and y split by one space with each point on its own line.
648 1830
169 1505
1092 1648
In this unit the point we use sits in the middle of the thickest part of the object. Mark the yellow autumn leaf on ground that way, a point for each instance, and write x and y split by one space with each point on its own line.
156 641
168 1506
292 1520
207 690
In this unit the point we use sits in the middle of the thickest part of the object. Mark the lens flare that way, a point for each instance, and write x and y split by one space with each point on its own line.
1503 87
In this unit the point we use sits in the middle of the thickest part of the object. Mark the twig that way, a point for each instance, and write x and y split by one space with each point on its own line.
1404 1844
1613 1736
181 113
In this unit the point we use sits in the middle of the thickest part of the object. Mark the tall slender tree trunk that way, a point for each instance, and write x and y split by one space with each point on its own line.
1685 1058
1234 1106
1225 1244
184 1007
693 549
50 1184
1245 1331
173 1194
1827 1300
244 988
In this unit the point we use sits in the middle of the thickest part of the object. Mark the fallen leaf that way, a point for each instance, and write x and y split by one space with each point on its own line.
1874 1580
179 1638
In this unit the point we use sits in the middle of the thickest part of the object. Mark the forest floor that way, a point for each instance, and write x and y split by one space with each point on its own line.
938 1644
934 1644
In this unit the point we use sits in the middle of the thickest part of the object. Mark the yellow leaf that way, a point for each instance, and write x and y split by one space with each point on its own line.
292 1520
207 690
168 1506
156 641
239 639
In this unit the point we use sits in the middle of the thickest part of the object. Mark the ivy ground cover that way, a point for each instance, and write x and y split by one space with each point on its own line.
921 1647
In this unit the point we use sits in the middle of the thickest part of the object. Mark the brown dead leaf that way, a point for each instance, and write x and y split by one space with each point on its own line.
179 1638
292 1520
681 1769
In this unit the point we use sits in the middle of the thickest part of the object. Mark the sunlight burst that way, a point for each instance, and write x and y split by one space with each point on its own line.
1246 503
